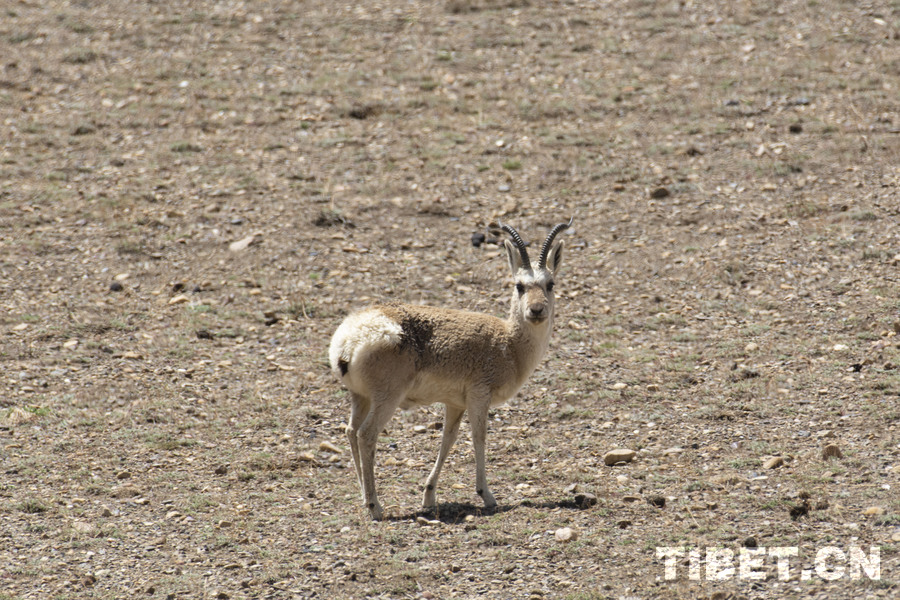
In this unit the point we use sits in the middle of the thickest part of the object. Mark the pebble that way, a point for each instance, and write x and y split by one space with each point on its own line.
105 511
20 327
620 455
841 347
242 244
503 188
585 499
70 344
831 451
477 239
773 463
565 534
123 474
427 522
179 299
874 511
619 386
751 347
327 446
420 429
896 536
660 192
749 542
115 286
657 501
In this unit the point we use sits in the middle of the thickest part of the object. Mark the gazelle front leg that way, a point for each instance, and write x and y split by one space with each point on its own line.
452 418
478 416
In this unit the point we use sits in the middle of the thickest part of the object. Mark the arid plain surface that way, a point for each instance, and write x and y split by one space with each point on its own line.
194 194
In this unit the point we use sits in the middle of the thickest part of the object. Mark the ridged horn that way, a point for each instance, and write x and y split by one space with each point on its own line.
545 250
517 239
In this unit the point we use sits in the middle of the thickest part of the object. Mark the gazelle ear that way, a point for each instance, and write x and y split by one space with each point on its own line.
554 257
514 257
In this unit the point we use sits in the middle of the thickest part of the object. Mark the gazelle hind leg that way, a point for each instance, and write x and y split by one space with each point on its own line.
452 418
383 408
359 410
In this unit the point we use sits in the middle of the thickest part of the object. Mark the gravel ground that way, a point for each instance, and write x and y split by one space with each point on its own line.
194 194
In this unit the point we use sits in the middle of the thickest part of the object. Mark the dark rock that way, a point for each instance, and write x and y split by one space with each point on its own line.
585 500
115 286
478 239
657 501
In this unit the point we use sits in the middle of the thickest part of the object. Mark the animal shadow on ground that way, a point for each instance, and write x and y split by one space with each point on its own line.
456 512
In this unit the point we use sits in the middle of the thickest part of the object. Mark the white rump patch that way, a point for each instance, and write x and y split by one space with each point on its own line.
362 332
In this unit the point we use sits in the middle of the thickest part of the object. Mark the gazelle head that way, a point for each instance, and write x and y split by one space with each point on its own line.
533 298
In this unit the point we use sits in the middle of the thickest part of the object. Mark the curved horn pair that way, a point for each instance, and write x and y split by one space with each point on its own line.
545 249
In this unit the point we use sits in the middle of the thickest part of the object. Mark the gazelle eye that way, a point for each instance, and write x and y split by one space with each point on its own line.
520 288
549 286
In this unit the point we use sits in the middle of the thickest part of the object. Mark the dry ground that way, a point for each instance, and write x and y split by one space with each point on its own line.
729 292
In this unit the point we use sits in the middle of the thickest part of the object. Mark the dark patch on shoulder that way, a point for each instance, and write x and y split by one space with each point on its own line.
417 330
344 366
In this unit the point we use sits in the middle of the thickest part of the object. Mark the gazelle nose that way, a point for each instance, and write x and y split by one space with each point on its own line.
536 311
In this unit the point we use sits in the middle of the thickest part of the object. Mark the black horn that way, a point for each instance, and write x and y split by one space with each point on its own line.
545 250
517 239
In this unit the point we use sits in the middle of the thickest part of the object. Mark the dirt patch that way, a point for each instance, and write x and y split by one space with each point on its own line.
193 194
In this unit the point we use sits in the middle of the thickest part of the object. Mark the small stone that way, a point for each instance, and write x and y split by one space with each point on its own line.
71 344
427 522
123 474
623 524
751 347
179 299
221 470
799 511
327 446
585 500
631 498
224 524
840 347
84 527
831 451
874 511
896 536
749 542
172 514
478 239
660 192
420 429
105 511
773 463
619 386
621 455
131 355
503 188
565 534
20 327
657 501
242 244
115 286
